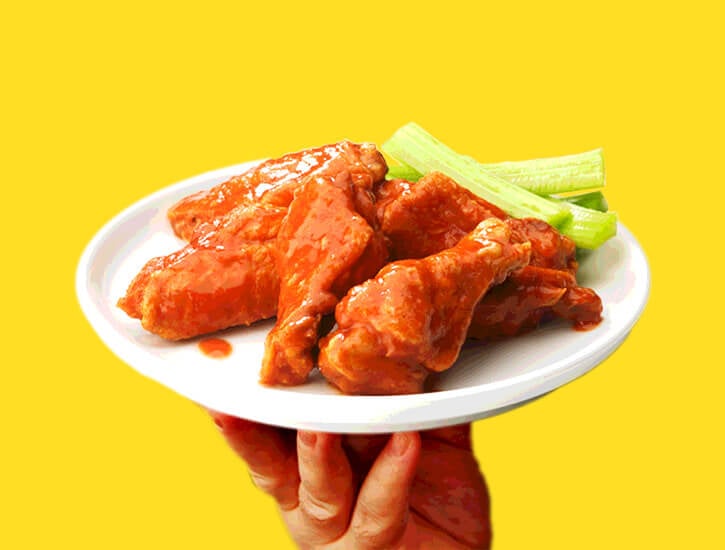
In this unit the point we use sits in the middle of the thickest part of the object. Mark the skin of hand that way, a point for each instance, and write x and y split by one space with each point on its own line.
407 490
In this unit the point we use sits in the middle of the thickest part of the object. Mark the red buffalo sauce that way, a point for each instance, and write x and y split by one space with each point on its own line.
216 348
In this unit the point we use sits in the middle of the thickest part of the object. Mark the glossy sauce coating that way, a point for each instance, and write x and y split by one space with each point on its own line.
543 290
431 215
323 248
227 275
274 182
412 317
424 218
292 235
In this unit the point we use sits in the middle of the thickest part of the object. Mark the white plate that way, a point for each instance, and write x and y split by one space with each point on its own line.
486 380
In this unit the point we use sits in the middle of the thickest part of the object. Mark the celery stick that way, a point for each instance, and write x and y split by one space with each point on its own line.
588 228
549 176
546 176
594 200
417 148
403 171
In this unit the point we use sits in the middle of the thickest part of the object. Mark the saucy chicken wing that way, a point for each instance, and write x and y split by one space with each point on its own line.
543 290
324 247
431 215
225 277
413 316
227 274
423 218
274 182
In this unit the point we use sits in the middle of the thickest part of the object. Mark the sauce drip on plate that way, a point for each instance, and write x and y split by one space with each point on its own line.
216 348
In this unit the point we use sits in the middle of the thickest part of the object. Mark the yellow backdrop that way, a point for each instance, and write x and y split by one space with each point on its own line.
103 105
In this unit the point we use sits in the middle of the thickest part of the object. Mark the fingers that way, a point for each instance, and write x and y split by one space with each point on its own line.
326 490
381 512
270 458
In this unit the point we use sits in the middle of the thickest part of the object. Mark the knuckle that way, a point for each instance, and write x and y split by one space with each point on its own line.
269 485
317 509
374 529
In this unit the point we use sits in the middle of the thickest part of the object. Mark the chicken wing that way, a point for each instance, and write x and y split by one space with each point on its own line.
580 306
412 317
520 303
549 248
423 218
274 182
227 274
324 247
543 290
431 215
225 277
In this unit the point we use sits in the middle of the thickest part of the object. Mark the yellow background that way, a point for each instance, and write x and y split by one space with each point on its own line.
103 105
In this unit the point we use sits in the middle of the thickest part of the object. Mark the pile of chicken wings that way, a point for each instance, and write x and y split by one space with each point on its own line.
409 270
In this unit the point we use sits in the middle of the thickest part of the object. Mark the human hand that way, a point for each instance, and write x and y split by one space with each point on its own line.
409 490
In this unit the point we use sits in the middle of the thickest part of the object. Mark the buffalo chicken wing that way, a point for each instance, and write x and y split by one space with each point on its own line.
227 274
223 278
413 316
426 217
274 182
323 248
431 215
309 233
545 289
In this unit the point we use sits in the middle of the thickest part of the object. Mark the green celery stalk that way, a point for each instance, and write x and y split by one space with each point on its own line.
588 228
549 176
403 171
412 145
546 176
594 200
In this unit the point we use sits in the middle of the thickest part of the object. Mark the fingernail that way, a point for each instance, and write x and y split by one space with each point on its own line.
307 438
401 442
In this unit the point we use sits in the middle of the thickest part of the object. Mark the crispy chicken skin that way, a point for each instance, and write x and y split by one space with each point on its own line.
426 217
581 306
227 274
431 215
531 296
324 247
549 248
413 316
274 182
543 290
225 277
520 303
